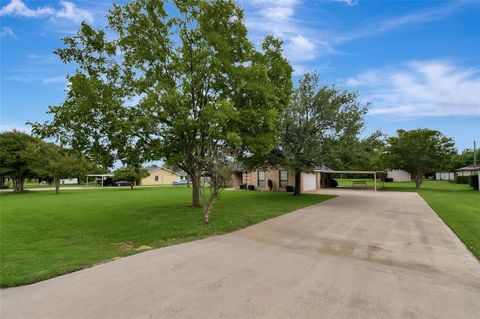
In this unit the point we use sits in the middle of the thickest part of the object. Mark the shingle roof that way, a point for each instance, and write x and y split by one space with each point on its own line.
153 169
469 168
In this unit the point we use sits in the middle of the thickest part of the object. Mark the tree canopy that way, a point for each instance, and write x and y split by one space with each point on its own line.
154 85
317 118
52 161
23 156
15 161
131 173
418 152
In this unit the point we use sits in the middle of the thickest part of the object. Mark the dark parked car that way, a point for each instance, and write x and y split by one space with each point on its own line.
123 183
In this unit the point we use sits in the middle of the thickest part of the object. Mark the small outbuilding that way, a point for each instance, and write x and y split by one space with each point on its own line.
468 170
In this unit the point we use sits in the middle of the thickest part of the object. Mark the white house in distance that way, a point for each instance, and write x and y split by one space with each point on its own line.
399 175
444 176
69 181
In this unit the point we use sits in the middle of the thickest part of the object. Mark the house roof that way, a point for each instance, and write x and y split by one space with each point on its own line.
469 168
182 173
154 169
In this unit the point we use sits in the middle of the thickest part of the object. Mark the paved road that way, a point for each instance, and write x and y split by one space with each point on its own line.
360 255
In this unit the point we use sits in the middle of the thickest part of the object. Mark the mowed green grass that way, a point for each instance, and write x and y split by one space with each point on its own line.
44 235
457 204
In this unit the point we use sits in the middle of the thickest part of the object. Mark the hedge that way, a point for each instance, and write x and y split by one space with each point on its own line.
462 179
474 182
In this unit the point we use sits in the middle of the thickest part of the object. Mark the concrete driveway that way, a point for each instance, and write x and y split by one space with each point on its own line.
360 255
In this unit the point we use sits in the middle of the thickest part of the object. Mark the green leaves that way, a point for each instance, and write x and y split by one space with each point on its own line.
317 119
419 151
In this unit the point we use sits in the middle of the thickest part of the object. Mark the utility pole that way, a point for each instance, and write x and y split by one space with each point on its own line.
475 162
474 155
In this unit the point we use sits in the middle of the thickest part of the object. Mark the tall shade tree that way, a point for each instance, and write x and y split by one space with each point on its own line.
162 86
131 174
350 152
418 152
316 119
52 161
465 158
15 162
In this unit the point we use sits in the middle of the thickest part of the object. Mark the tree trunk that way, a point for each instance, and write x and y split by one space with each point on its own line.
418 181
298 183
196 191
15 184
18 183
208 207
188 181
57 184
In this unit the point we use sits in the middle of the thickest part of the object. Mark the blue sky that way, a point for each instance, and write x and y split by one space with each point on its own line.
416 62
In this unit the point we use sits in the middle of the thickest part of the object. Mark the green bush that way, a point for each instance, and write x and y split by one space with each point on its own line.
290 189
462 179
270 185
474 182
332 183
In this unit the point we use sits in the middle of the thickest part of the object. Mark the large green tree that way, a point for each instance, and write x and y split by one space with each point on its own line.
171 87
315 121
418 152
351 152
15 162
54 162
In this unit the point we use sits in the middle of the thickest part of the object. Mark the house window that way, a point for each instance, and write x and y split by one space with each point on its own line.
261 179
283 179
156 178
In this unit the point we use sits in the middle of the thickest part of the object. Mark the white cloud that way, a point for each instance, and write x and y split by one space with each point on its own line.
10 126
300 48
347 2
54 79
427 15
421 89
278 17
276 2
18 8
7 32
277 13
69 11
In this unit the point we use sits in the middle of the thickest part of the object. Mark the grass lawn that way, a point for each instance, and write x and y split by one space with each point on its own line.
29 185
44 235
457 204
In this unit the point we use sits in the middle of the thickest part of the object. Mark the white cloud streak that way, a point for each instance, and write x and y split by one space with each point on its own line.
54 79
68 11
72 13
393 23
7 32
277 18
421 89
19 9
